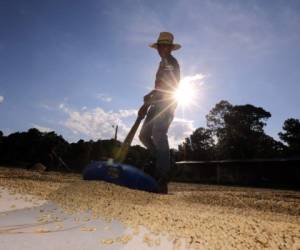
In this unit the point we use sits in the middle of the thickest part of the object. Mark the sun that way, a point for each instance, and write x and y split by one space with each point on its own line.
185 93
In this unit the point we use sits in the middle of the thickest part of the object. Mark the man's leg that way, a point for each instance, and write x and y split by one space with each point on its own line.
160 128
146 138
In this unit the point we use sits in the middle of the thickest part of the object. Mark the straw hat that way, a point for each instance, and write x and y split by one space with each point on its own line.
165 38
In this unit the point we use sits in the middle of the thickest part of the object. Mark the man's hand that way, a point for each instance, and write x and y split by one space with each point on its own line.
143 110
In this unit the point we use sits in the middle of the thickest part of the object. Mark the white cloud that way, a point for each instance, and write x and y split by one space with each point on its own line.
127 112
97 123
104 97
41 128
1 98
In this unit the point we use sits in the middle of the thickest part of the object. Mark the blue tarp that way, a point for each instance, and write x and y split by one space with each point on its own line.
120 174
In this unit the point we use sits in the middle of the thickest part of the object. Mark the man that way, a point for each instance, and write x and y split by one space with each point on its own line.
162 107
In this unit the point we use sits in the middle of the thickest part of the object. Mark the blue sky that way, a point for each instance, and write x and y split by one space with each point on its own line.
79 67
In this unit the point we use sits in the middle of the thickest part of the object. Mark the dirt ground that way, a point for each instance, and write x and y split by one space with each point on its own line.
193 216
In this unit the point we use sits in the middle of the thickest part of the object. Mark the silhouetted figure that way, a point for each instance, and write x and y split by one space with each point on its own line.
161 112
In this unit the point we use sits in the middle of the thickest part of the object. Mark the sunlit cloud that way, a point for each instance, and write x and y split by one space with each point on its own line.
194 78
1 98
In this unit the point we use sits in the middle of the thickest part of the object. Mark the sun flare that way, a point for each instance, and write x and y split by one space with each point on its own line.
185 93
188 91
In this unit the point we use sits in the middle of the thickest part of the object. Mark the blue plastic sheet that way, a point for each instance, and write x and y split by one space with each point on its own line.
120 174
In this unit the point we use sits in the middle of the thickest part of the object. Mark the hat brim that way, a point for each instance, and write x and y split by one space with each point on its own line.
175 46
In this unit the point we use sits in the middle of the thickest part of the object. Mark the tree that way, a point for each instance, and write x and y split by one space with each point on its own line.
247 118
54 151
96 151
291 135
137 156
239 130
15 149
243 128
34 148
215 118
199 146
267 147
79 155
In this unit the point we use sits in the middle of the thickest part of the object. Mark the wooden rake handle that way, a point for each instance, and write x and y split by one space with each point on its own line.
122 153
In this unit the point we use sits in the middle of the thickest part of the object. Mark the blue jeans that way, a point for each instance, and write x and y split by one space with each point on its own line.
154 136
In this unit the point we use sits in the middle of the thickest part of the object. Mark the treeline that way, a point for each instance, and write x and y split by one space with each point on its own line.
24 149
237 132
232 132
